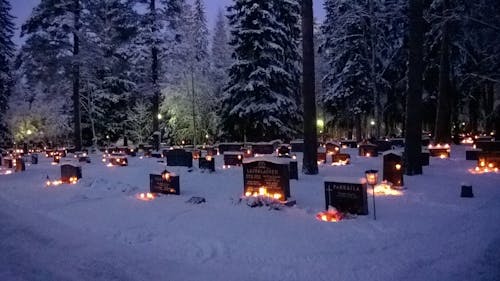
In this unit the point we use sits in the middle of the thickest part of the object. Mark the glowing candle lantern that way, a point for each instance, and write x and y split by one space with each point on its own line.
262 191
248 194
165 175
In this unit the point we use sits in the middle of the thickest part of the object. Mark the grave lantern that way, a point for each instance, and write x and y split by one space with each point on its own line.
372 179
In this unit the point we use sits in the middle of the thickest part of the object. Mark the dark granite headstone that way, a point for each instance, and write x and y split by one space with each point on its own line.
179 157
233 158
69 171
294 170
20 165
368 150
223 147
439 151
348 196
472 154
321 156
332 148
399 142
207 163
284 151
489 159
488 145
344 158
247 152
466 191
34 159
297 145
349 144
159 185
263 148
393 169
383 145
8 162
56 159
275 177
118 160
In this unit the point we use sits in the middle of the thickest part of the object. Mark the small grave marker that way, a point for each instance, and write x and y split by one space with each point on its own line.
207 163
393 169
70 173
179 157
368 150
233 158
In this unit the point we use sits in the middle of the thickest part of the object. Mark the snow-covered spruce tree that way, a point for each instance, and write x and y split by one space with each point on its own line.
138 119
348 94
107 73
288 15
258 102
221 54
55 24
361 42
7 48
158 34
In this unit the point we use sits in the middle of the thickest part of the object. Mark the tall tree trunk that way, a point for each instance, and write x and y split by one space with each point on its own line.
489 109
310 164
413 127
373 81
357 124
76 77
443 117
474 111
193 107
154 79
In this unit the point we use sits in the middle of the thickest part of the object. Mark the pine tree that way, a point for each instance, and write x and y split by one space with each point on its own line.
258 103
7 49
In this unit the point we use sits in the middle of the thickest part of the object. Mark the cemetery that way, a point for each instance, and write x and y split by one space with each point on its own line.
339 200
249 140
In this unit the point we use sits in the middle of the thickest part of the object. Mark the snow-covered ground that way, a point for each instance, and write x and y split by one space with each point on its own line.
98 229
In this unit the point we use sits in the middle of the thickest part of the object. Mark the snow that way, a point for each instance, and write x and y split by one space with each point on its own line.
98 229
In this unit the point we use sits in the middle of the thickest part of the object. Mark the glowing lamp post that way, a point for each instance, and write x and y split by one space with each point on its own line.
372 179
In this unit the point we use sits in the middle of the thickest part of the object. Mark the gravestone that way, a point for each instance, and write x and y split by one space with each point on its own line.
349 144
398 142
118 159
207 163
439 151
263 148
393 169
225 147
341 158
247 152
368 150
56 159
321 155
61 152
488 145
297 145
383 145
69 171
294 170
284 151
19 164
233 158
273 175
179 157
82 157
212 151
49 153
490 159
196 154
347 195
159 185
472 154
8 162
332 148
34 159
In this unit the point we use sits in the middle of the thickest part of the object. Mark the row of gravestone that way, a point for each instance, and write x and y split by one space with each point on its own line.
485 152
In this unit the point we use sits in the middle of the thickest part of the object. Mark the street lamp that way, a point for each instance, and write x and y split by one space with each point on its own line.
159 116
372 179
